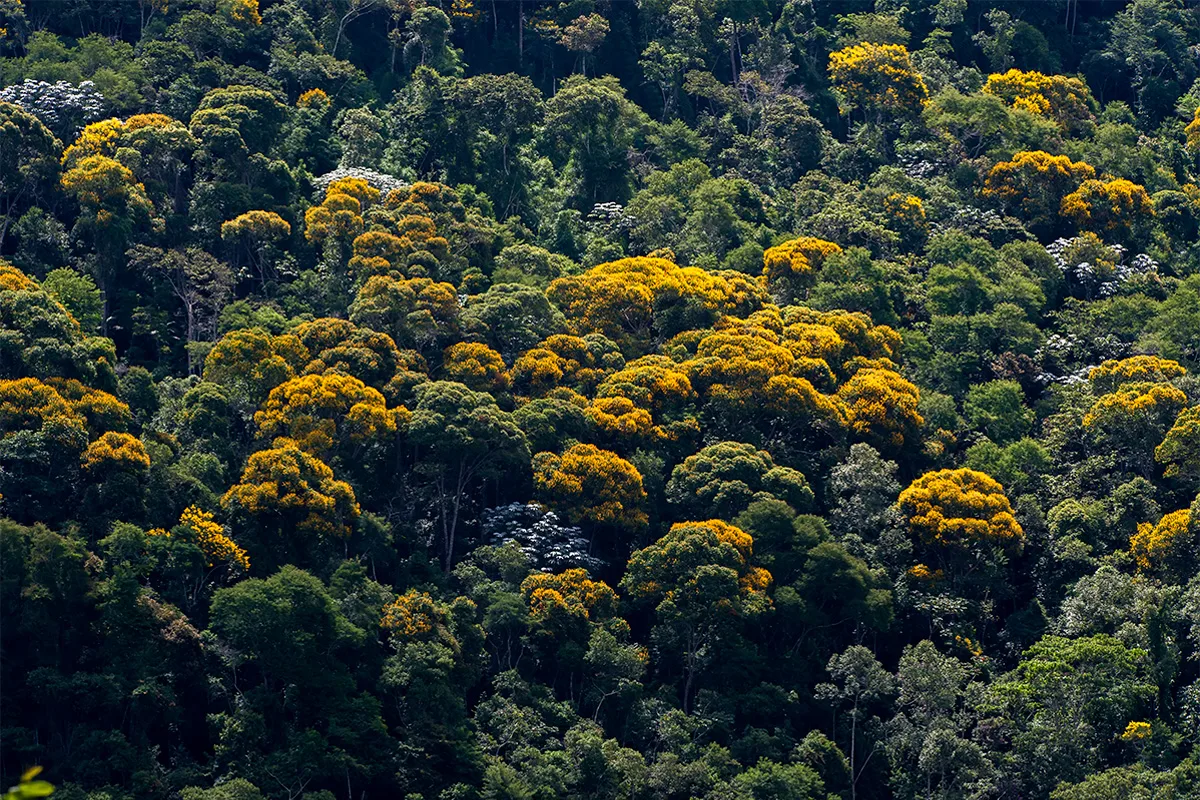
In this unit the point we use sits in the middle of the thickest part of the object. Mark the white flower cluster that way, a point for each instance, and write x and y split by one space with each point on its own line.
550 545
62 107
386 184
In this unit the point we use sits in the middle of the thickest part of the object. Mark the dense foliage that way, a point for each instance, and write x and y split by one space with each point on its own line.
716 399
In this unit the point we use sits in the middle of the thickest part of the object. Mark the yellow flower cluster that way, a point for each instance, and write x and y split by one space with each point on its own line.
340 214
570 591
1155 545
1136 732
414 614
321 411
882 406
27 404
958 508
1145 368
1063 99
1135 402
796 258
256 226
626 300
313 98
591 485
287 486
243 12
116 452
877 77
1109 205
1036 182
476 365
1179 452
199 527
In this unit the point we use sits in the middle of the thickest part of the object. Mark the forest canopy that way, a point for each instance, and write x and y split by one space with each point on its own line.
565 399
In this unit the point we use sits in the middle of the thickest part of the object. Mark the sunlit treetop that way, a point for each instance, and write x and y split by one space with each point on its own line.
793 265
115 452
1169 548
284 489
478 366
1066 100
571 592
1132 401
878 79
1113 373
958 508
1179 452
591 486
636 301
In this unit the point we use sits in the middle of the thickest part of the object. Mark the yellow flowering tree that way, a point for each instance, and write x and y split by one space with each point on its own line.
1170 548
251 362
1118 207
330 414
477 366
1128 421
288 502
252 237
1033 184
1066 100
199 528
592 487
956 509
115 453
791 267
882 406
878 80
1112 374
638 302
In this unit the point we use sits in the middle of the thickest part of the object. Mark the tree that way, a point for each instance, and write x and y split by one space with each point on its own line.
877 80
858 681
1034 184
882 407
511 318
591 125
592 487
956 508
29 164
1114 373
253 234
462 437
251 362
723 479
331 731
418 313
1132 418
1179 451
700 579
330 414
78 295
477 366
963 523
1171 547
789 268
1064 702
202 284
1065 100
997 408
1119 207
114 209
290 498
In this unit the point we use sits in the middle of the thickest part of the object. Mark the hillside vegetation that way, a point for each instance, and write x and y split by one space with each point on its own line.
591 400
